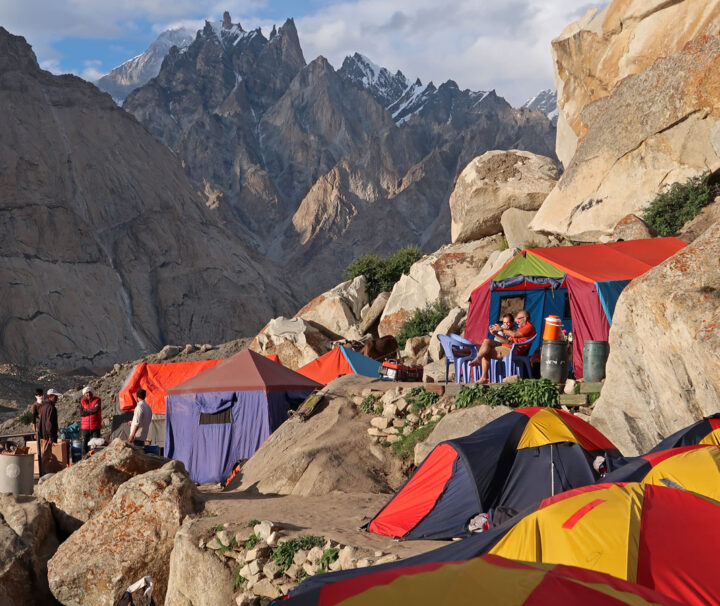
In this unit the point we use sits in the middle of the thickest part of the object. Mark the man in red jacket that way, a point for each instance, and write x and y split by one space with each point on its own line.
90 417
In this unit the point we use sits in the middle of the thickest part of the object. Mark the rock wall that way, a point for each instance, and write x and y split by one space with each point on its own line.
663 372
658 127
593 54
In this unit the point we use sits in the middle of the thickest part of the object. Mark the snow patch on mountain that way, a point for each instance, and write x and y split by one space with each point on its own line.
546 102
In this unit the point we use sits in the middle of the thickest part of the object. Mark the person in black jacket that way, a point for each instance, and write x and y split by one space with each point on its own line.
47 427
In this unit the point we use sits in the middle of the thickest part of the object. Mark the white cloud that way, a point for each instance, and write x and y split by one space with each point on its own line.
93 70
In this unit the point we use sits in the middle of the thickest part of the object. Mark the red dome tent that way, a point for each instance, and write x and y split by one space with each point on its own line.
580 284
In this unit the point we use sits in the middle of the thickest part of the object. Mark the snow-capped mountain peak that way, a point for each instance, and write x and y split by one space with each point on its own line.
546 102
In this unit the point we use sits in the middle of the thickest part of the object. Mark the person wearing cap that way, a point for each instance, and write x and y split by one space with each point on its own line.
47 427
90 417
140 424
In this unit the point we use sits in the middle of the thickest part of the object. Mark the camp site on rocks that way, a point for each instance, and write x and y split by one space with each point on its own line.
285 325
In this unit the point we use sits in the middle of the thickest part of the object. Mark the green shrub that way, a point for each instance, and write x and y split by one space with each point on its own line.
380 273
423 322
419 398
525 392
328 557
592 397
252 523
368 404
218 528
679 203
283 554
229 547
253 540
404 448
26 418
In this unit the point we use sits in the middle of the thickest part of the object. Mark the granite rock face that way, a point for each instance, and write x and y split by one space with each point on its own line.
81 491
630 151
295 341
493 183
663 372
107 248
592 55
130 538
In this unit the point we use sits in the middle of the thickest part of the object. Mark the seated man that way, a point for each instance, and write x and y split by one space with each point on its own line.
498 349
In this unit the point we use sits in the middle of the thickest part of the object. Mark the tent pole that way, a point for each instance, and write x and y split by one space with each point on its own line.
552 474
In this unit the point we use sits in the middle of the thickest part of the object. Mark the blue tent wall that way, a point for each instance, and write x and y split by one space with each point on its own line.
362 365
540 302
609 292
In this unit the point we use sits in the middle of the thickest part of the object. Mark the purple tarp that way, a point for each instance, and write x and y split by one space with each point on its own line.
210 450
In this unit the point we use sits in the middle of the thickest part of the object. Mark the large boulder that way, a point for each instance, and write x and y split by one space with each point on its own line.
442 277
330 451
659 127
450 324
295 341
374 312
663 372
32 521
494 182
695 227
593 54
16 582
632 227
130 538
80 492
197 576
458 424
515 226
338 309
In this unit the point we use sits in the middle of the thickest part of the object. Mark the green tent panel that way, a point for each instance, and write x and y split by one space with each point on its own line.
528 265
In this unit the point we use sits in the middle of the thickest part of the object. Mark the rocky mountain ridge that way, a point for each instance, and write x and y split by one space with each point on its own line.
319 165
546 102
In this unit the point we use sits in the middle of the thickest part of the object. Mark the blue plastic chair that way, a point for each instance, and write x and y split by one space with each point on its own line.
463 371
516 364
497 370
447 344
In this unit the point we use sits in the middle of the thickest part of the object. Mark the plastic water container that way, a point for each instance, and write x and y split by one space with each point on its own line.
76 450
16 473
152 449
595 354
553 329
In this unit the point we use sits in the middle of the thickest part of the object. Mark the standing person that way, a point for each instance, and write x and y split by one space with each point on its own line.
490 348
47 428
35 408
90 417
140 424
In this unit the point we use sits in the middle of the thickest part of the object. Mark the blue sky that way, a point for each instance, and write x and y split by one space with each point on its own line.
481 44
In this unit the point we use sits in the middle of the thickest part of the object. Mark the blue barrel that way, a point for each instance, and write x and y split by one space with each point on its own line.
152 449
75 450
595 355
554 361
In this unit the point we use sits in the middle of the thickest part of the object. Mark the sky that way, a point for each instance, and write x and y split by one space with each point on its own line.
480 44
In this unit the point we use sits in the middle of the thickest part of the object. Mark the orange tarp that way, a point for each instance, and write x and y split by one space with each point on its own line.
328 367
156 379
610 261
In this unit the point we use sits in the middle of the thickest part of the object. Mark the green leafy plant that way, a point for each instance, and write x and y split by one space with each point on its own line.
253 540
328 557
26 418
218 528
404 448
301 574
238 580
593 397
422 322
283 554
380 273
525 392
252 523
229 547
419 398
368 404
679 203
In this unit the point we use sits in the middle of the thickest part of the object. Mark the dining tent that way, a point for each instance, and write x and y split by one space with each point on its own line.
223 415
580 284
337 362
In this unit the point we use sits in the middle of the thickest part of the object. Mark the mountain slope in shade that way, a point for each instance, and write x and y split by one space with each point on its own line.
546 102
135 72
107 250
